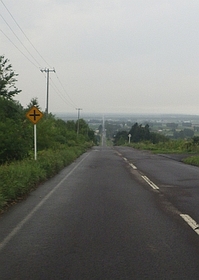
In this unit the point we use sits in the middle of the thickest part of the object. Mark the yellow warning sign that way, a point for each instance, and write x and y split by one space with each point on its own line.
34 115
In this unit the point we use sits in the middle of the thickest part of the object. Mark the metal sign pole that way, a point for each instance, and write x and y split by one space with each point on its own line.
35 140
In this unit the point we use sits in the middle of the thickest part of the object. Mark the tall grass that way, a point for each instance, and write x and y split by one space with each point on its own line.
19 178
171 146
193 160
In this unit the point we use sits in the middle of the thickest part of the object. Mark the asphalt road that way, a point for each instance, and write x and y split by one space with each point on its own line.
178 182
103 218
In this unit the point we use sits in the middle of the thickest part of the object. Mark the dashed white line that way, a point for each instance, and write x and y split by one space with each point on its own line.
190 222
150 183
132 165
193 224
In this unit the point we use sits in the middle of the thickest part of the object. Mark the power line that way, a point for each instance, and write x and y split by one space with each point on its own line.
68 102
53 84
19 40
19 49
66 91
24 33
58 91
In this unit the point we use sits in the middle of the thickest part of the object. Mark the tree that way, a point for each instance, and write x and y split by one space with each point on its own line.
10 109
14 133
196 140
156 138
139 133
33 102
83 127
17 143
70 125
7 80
121 138
188 132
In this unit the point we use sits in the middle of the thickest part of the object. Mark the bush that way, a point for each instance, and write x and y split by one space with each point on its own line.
19 178
193 160
170 146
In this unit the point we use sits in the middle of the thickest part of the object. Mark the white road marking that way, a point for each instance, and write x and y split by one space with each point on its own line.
190 222
150 183
28 217
132 165
185 217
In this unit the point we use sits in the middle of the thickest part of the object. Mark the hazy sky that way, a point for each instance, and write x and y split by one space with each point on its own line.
133 56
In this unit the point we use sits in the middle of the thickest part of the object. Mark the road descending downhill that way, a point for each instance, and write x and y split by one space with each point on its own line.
99 219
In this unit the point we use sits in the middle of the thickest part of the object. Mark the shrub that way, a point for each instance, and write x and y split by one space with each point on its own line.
19 178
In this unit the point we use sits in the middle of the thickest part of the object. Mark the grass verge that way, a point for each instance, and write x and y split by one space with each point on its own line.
168 147
172 147
193 160
19 178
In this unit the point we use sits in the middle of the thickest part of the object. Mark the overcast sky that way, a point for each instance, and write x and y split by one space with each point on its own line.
118 56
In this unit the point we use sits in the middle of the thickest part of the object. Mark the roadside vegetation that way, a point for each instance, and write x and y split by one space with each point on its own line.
58 143
140 137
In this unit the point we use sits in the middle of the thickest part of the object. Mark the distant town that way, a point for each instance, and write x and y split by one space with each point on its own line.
170 125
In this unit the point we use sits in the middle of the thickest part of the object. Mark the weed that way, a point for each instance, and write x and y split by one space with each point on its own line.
19 178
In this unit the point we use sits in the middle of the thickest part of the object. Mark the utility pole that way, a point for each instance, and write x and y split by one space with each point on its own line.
78 116
47 70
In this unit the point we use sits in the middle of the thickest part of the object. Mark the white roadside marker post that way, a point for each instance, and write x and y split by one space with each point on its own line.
129 138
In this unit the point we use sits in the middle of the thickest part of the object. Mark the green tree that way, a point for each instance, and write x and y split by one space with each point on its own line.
157 137
15 133
15 141
70 125
10 109
196 140
139 133
120 138
189 133
33 102
7 80
83 126
46 132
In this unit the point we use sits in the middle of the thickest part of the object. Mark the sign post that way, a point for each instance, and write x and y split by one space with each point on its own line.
35 140
34 115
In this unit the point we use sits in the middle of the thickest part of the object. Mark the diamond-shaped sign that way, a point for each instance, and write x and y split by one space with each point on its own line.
34 115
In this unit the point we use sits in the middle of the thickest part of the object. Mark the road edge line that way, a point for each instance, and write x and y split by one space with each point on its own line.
7 239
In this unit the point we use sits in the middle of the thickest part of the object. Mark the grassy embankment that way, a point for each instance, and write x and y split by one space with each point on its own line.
172 147
19 178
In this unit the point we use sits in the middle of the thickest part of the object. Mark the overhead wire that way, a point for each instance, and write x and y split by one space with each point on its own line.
65 90
61 95
52 83
19 39
19 49
24 33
